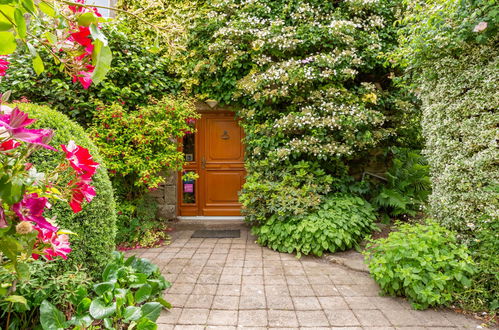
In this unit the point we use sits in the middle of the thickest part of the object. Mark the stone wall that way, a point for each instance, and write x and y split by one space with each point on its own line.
166 197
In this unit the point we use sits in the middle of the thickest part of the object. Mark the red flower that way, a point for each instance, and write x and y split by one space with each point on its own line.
4 65
31 209
84 77
9 145
81 190
80 160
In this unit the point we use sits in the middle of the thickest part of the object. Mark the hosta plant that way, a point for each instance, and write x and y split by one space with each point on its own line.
129 297
421 262
339 224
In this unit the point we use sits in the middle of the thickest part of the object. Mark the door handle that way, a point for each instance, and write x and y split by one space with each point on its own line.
203 163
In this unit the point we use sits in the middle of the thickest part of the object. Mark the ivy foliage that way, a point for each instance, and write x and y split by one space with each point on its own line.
340 222
422 262
313 87
136 74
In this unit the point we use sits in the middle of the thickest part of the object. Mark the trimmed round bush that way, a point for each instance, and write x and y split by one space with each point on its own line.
95 225
421 262
340 223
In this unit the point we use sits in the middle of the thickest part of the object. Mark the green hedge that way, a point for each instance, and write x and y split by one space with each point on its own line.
95 225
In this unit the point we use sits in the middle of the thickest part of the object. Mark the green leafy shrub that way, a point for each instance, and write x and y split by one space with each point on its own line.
339 224
95 225
408 184
311 85
136 74
129 296
139 145
138 225
45 283
424 263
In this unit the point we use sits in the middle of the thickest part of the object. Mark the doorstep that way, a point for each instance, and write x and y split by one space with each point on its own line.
203 222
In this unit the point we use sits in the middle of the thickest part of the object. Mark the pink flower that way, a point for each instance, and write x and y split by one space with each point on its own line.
58 244
84 77
80 160
3 221
14 124
77 9
480 27
82 36
4 65
81 190
31 209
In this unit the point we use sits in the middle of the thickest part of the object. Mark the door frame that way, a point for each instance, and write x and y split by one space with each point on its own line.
195 209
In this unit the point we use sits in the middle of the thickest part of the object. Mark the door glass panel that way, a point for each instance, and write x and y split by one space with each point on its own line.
188 142
189 191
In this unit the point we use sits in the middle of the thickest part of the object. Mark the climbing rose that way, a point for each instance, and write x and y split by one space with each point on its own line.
82 190
80 160
9 145
31 209
59 244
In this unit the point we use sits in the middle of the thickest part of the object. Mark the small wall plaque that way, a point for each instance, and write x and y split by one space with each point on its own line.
189 157
188 187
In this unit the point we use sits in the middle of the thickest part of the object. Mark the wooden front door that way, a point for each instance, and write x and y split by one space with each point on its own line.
215 152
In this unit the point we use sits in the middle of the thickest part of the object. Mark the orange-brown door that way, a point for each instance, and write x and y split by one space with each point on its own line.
215 152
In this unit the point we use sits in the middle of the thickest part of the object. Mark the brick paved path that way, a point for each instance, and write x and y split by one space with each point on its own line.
234 283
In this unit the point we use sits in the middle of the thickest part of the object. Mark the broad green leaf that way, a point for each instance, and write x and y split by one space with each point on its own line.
83 306
146 324
47 9
38 65
143 293
100 288
99 310
151 310
29 5
5 22
102 57
132 313
108 323
51 318
97 34
20 23
86 19
7 43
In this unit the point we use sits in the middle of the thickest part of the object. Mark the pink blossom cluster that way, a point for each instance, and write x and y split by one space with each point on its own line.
4 65
29 211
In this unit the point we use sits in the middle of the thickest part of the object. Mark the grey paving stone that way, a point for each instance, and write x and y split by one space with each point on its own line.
312 318
300 290
222 317
402 317
282 318
332 303
226 302
371 317
193 316
228 290
280 302
342 317
250 318
360 303
205 289
255 301
169 316
306 303
199 301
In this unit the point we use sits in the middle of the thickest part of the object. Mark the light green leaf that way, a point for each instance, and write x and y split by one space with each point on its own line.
47 9
20 23
102 56
100 288
86 19
146 324
143 293
5 23
16 299
38 65
7 43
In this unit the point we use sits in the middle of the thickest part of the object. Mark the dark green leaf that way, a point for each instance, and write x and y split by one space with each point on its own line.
132 313
151 310
99 310
51 318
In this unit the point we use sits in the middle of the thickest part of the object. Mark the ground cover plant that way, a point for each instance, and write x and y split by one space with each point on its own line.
424 263
339 224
